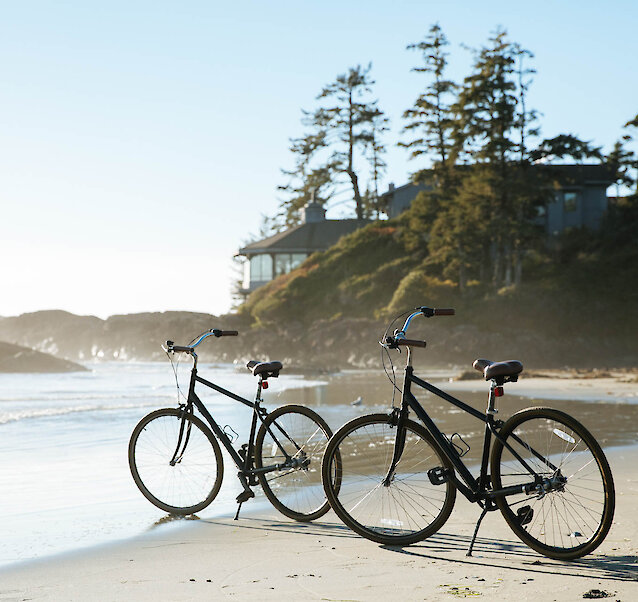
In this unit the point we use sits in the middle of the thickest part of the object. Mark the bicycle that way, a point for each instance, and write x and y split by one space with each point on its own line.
177 463
398 478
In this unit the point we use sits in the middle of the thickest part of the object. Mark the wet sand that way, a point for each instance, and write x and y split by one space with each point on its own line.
267 557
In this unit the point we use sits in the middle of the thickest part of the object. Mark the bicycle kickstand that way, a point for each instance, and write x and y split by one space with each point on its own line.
478 524
245 495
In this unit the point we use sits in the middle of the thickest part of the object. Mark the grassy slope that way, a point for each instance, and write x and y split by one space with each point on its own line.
354 278
579 303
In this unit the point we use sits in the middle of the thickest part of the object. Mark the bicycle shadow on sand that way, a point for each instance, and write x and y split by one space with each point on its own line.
509 555
314 529
515 556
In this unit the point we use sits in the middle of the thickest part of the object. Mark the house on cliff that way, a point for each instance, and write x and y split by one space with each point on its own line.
283 252
579 200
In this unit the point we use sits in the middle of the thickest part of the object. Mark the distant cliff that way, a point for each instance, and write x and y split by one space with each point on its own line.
121 337
14 358
496 331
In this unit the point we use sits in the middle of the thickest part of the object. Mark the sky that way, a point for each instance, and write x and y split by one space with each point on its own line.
142 141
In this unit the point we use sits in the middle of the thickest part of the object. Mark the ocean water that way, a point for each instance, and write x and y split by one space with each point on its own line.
65 483
64 479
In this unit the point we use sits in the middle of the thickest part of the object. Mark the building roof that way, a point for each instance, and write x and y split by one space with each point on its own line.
580 174
305 238
566 174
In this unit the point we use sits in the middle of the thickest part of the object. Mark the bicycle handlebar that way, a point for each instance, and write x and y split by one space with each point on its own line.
395 342
399 335
428 312
215 332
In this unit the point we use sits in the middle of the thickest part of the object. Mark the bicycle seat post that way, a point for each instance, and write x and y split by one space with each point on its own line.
491 402
262 384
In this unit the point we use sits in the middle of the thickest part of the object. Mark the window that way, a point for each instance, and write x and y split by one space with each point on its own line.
286 262
260 268
570 202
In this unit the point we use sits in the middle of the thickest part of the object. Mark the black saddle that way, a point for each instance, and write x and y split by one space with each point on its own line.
490 370
267 369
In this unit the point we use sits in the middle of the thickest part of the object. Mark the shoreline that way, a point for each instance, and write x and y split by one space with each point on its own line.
266 556
555 387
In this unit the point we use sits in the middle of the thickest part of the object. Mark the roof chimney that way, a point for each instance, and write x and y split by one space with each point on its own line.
313 211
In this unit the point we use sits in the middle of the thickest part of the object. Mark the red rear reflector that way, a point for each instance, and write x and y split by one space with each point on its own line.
264 384
498 391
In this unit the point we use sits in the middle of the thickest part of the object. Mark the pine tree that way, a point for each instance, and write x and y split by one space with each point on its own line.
490 131
347 125
374 152
430 119
430 122
303 179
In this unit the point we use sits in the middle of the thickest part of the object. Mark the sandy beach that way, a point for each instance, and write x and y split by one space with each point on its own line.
265 556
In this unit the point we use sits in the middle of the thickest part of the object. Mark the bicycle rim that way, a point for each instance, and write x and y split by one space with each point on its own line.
409 508
192 480
295 488
574 518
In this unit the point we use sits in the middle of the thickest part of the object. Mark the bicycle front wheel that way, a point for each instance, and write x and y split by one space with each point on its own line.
175 461
291 442
569 511
404 510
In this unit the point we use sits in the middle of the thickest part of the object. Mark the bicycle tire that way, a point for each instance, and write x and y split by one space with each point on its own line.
410 508
568 522
296 492
194 480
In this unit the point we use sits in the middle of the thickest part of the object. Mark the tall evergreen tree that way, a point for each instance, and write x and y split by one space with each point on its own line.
430 123
430 119
485 128
346 125
303 179
491 130
526 118
375 151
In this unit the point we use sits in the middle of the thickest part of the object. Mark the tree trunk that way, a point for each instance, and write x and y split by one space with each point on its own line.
508 265
496 264
357 195
518 267
350 168
462 273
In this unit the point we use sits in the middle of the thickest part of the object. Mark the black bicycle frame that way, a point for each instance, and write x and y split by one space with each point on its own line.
244 464
472 488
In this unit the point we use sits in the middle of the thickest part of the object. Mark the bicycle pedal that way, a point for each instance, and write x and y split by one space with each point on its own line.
244 496
525 515
439 475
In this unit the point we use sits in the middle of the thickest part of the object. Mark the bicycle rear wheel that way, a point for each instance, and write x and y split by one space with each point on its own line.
571 516
408 509
175 461
295 488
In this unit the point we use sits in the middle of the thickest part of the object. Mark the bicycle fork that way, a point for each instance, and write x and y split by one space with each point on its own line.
398 418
